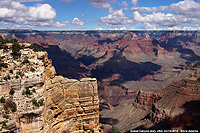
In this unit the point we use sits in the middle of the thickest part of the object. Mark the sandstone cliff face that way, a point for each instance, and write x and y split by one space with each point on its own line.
71 105
43 102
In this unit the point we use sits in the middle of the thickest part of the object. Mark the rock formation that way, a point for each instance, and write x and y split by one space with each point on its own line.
133 65
33 99
71 105
176 106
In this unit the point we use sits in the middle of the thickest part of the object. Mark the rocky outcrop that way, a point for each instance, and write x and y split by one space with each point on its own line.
71 105
146 99
172 102
176 106
43 102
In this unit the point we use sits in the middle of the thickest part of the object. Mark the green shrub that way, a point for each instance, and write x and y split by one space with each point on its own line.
14 40
16 55
11 91
102 127
36 49
3 41
2 100
114 130
16 50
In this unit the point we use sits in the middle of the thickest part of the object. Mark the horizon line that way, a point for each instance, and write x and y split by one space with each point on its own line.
103 30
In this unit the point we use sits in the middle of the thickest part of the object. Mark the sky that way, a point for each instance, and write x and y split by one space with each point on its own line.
100 14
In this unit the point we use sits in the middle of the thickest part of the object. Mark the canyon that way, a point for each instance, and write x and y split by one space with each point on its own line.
137 73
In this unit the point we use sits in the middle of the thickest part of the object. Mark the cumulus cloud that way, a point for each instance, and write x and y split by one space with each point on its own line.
135 2
16 15
181 13
115 18
160 19
75 21
185 7
42 12
124 3
101 5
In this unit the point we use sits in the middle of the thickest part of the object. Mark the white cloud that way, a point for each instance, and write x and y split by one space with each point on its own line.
115 18
42 12
75 21
135 2
98 29
124 3
181 13
16 15
101 5
150 9
185 7
160 19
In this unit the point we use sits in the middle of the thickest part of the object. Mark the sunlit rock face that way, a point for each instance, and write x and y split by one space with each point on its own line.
71 105
43 102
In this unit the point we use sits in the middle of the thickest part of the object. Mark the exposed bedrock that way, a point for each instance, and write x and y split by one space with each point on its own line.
71 105
175 107
43 102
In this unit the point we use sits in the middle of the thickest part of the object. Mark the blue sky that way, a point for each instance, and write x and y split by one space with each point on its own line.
100 14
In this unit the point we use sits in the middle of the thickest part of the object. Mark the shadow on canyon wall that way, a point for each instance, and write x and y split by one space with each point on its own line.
63 62
175 42
109 121
128 70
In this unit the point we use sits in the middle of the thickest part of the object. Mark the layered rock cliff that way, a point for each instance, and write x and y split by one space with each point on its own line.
33 99
71 105
176 106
